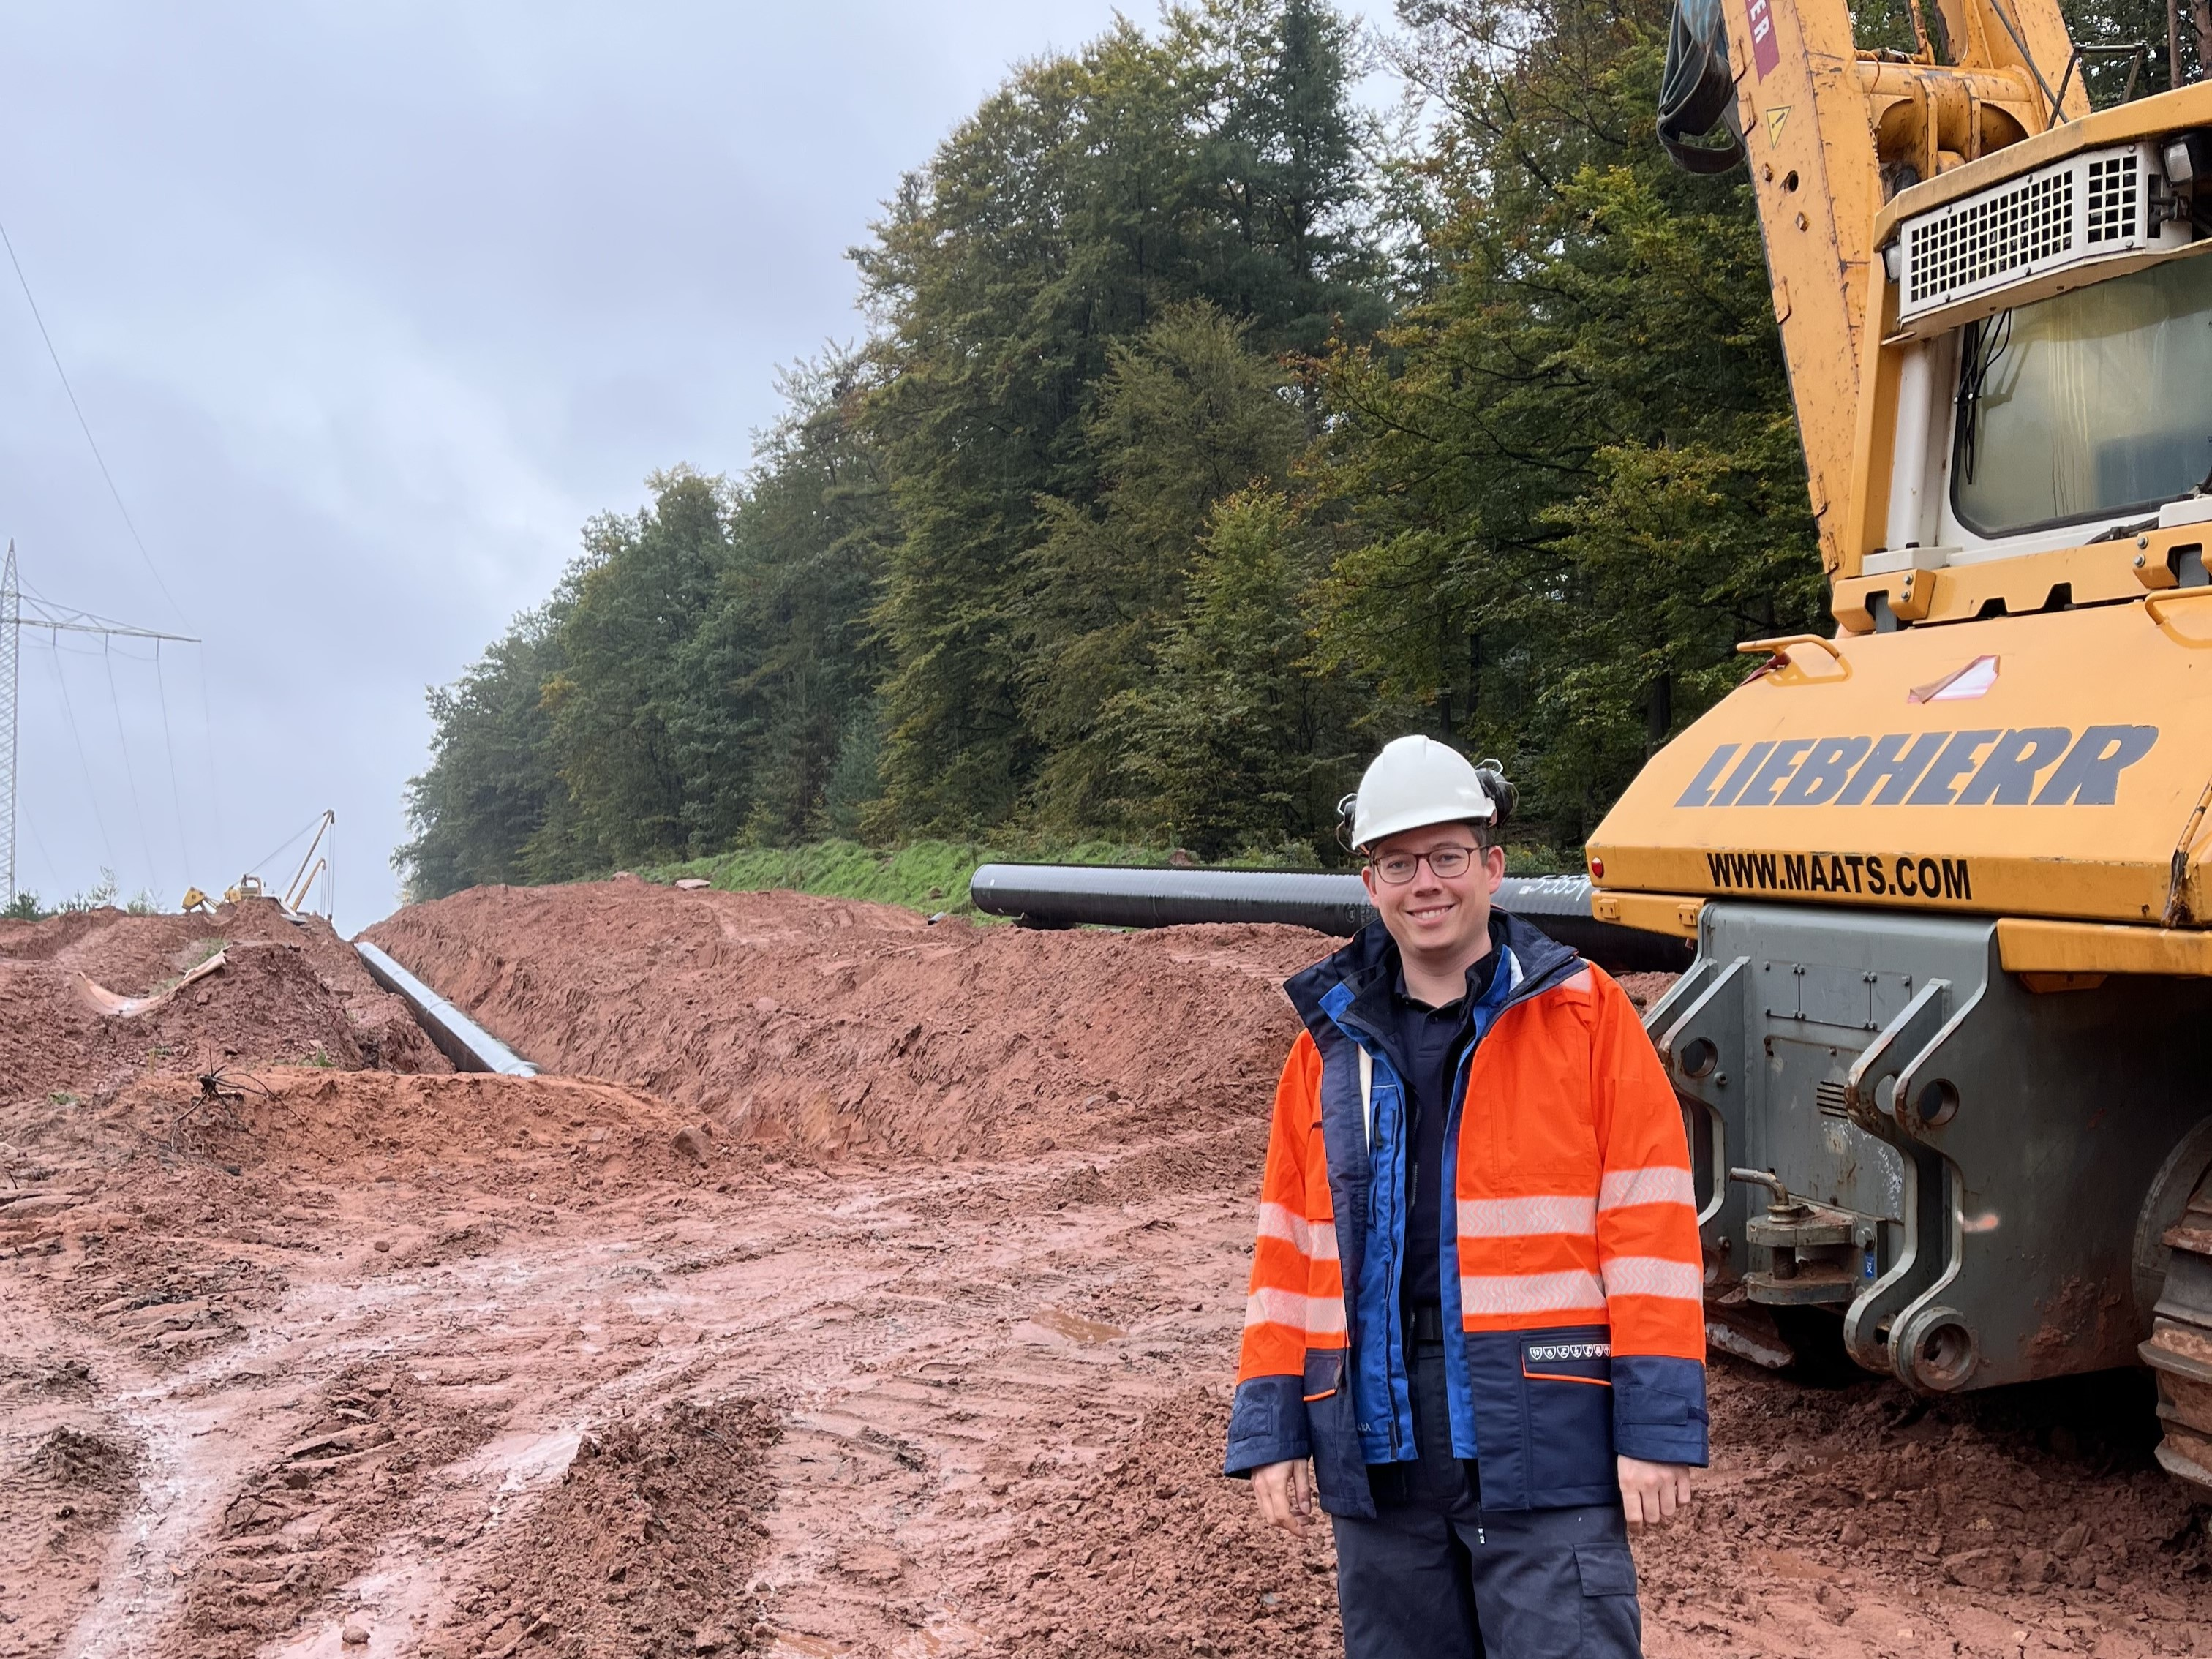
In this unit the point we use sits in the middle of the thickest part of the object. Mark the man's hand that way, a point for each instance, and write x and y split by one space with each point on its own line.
1652 1493
1285 1494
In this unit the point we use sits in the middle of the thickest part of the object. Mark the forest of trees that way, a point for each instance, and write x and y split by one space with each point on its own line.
1208 432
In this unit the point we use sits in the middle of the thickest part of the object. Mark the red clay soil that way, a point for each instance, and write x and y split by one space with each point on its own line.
1644 989
481 1366
860 1028
311 1518
289 992
652 1534
1832 1525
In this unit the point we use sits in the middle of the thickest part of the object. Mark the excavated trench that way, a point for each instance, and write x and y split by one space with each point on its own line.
844 1285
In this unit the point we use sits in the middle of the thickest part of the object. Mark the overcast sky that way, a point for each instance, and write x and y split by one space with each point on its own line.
369 308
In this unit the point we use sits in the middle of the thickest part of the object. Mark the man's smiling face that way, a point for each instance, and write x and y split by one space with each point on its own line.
1438 918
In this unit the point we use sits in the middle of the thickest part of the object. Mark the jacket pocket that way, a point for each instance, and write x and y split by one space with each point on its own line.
1566 1384
1568 1359
1339 1466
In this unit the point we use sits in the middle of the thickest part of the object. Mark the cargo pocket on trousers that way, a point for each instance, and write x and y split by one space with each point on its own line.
1339 1467
1611 1623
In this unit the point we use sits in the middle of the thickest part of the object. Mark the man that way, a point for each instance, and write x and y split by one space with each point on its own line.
1476 1330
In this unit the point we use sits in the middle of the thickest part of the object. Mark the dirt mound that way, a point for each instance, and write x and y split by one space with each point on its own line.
266 1004
287 991
484 1130
74 1461
1858 1520
63 1497
644 1548
1862 1511
1160 1555
860 1028
38 941
148 1185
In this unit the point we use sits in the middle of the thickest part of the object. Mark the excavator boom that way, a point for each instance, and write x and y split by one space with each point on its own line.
1831 135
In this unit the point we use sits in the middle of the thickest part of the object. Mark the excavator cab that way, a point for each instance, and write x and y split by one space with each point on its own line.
1942 1047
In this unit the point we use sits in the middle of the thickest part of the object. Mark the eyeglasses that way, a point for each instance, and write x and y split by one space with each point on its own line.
1444 862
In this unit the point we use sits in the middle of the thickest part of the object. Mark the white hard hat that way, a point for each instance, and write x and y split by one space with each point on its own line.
1417 781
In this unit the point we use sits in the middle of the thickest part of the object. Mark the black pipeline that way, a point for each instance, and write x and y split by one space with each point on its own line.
1069 896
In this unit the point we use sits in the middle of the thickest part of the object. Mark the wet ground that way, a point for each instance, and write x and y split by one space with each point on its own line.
473 1366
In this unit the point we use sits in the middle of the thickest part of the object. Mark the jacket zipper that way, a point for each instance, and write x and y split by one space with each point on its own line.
1455 1116
1394 1339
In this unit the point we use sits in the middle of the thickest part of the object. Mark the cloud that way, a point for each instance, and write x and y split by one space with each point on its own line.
370 307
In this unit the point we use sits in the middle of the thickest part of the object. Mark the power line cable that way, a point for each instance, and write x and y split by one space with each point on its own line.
39 842
56 620
85 426
169 747
130 772
285 846
90 622
207 749
83 765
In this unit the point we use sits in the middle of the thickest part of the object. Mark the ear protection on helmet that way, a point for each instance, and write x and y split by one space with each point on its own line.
1491 774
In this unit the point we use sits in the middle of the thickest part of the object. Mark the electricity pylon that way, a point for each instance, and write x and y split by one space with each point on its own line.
57 619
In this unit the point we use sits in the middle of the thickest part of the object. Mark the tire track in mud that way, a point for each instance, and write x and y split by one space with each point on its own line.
931 1343
484 1367
1000 1412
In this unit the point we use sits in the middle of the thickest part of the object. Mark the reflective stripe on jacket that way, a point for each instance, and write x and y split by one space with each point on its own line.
1572 1267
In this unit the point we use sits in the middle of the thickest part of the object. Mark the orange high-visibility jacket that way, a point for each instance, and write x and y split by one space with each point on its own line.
1572 1272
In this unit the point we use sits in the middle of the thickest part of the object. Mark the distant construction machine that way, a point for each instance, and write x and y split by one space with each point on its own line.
1945 1046
249 886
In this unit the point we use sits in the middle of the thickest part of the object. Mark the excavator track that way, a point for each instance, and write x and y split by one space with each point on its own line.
2180 1345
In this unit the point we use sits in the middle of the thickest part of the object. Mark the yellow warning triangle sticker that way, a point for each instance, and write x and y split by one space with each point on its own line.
1775 118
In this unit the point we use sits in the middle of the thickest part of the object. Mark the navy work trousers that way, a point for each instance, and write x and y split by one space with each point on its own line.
1435 1576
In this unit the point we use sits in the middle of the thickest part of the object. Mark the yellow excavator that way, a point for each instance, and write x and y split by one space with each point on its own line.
1946 1047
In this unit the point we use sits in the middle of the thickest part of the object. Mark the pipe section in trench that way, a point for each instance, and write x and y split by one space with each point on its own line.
1070 896
460 1039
